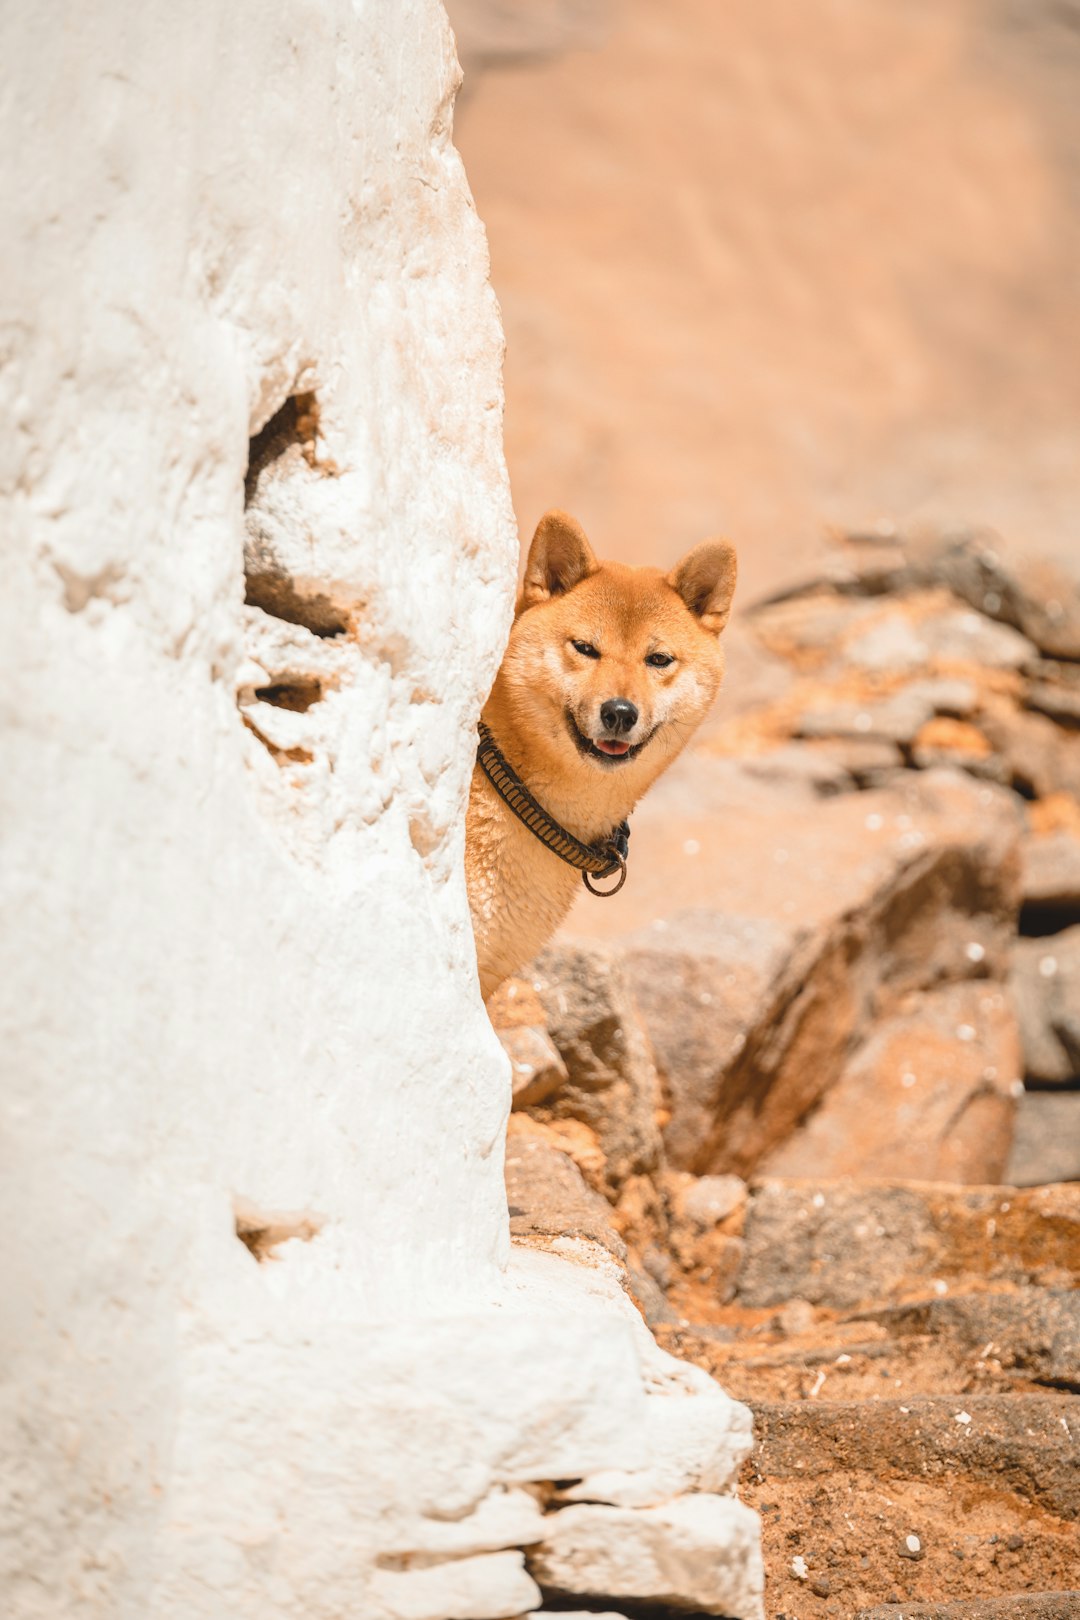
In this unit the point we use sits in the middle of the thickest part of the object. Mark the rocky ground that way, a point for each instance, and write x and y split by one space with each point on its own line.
815 1080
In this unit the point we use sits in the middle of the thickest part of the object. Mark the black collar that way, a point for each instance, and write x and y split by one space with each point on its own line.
602 859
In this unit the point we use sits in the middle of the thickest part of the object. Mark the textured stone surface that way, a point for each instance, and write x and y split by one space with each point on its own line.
679 1553
1016 1443
1020 1606
536 1069
782 928
549 1197
1045 987
930 1095
844 1246
251 350
1039 593
1033 1332
1051 872
611 1084
1046 1141
1039 756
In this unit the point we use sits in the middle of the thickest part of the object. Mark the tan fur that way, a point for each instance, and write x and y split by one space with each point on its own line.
519 891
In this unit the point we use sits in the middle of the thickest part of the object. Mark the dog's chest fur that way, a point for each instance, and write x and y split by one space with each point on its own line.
519 892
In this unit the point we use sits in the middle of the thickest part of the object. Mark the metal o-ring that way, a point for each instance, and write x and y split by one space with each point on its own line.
606 894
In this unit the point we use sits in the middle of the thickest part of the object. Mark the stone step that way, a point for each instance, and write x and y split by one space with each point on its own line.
927 1499
848 1245
1025 1444
1013 1342
1020 1606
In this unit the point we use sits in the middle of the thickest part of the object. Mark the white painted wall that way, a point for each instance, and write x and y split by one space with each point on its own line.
228 975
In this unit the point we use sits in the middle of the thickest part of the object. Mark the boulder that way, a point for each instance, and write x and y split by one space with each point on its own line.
1050 878
930 1094
827 765
611 1082
1031 1332
927 629
536 1069
574 1614
1060 699
680 1553
548 1197
1046 1145
1000 577
846 1245
1015 1443
900 718
1039 594
517 1016
486 1587
895 719
923 626
943 741
782 928
1045 986
1040 758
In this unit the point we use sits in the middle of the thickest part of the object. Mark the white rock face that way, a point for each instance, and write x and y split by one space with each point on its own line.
238 972
691 1553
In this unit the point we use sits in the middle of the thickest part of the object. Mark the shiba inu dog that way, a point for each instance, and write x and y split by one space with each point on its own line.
608 671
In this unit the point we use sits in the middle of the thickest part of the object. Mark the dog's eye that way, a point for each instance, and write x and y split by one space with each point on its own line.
586 649
659 660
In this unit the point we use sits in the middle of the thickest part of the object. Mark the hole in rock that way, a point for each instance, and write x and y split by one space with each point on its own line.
562 1603
262 1230
1041 918
280 756
295 692
296 424
291 434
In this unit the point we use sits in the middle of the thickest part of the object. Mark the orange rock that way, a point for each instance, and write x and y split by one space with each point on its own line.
943 735
930 1095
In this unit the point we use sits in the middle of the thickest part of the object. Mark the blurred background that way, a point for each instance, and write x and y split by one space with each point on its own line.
769 269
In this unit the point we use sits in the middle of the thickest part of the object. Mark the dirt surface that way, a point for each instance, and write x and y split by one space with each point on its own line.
851 1531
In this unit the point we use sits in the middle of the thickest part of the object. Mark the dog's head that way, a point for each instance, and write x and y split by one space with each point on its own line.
612 664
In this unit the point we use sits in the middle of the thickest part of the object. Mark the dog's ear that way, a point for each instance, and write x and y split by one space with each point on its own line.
705 579
559 558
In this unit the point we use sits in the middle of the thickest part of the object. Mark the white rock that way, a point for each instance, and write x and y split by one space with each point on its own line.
697 1551
492 1587
235 976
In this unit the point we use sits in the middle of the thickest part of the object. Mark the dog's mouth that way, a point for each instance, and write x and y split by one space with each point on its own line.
612 750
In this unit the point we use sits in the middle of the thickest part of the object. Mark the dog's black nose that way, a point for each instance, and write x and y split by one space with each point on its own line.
618 714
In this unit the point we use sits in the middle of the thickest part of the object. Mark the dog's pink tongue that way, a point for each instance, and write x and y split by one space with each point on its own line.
613 747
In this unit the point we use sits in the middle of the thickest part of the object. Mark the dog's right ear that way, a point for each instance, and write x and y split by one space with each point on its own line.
560 557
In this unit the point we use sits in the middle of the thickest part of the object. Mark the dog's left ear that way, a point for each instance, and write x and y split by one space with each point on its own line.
705 579
560 557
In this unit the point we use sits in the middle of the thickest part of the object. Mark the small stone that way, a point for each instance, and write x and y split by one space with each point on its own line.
711 1199
796 1317
658 1265
821 1586
798 1567
910 1547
